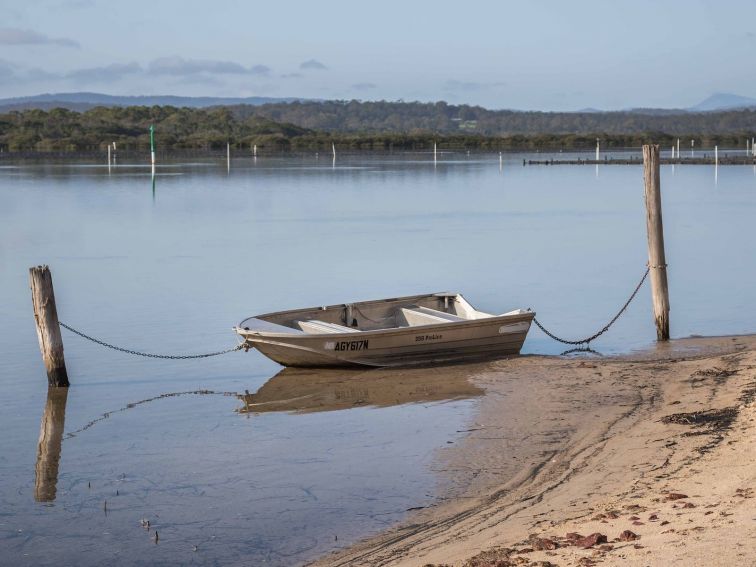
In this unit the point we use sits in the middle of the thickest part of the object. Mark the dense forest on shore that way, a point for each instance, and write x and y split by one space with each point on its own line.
440 117
360 126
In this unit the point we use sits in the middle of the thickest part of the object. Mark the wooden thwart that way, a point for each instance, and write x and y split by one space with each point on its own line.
48 329
657 261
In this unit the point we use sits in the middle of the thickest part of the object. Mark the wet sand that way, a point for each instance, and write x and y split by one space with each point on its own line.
651 454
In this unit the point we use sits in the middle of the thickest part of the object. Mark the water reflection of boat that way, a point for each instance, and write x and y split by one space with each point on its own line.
310 390
386 332
50 441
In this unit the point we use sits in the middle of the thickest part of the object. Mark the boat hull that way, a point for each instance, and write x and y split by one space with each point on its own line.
482 338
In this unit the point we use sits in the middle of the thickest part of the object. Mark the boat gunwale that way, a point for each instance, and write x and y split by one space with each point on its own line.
251 334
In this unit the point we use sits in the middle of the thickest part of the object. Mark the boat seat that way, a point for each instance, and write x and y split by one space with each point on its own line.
416 316
315 327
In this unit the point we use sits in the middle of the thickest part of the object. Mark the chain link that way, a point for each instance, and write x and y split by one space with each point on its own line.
606 327
147 354
585 341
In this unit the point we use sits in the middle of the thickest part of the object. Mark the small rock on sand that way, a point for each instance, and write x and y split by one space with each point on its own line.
591 540
675 496
543 543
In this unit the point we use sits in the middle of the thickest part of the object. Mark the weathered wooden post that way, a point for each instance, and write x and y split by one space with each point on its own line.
48 329
656 258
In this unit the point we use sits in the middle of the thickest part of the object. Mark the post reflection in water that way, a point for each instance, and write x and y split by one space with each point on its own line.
311 390
50 440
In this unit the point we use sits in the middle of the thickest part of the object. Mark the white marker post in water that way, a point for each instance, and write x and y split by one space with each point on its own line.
152 147
678 148
228 156
692 145
597 149
254 151
435 153
108 158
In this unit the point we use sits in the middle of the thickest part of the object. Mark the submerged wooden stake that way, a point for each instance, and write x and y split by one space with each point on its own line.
48 329
654 227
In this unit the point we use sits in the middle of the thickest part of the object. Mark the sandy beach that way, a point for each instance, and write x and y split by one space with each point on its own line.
635 460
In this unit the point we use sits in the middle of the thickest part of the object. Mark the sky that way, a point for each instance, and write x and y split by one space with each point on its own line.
527 55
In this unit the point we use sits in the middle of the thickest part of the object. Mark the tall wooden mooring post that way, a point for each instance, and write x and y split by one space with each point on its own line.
657 261
48 329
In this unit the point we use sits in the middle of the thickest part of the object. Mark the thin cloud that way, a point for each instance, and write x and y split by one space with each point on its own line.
111 72
291 76
194 80
6 70
179 67
312 64
35 74
364 86
262 70
469 86
17 36
73 5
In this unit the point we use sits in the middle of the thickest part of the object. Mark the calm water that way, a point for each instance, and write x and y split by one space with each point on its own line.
172 269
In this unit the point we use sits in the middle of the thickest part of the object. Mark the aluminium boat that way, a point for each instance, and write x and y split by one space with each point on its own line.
416 329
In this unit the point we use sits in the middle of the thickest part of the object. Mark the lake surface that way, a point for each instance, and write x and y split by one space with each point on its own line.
170 268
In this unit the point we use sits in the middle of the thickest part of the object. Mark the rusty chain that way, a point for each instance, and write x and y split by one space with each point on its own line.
147 354
606 327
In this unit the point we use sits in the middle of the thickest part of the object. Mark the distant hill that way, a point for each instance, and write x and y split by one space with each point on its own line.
82 101
723 101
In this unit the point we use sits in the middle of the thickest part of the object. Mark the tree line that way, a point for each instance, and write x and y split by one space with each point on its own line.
439 117
353 126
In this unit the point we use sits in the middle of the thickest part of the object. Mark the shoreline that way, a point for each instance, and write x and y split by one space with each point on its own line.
652 445
629 155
